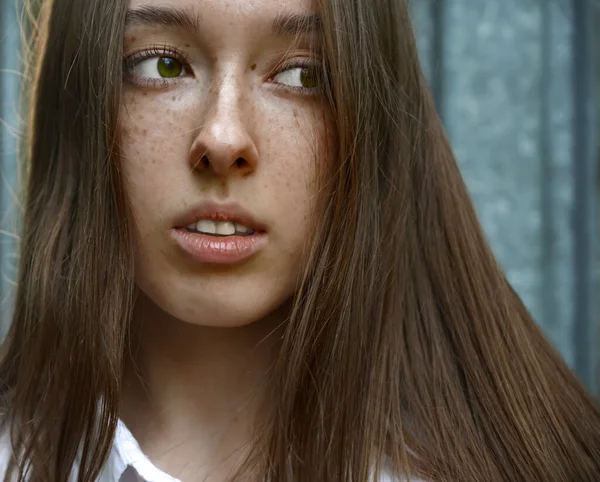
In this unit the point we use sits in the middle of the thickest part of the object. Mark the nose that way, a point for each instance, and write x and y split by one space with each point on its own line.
223 144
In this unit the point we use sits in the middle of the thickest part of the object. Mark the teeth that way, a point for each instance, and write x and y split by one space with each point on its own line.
206 226
240 228
225 228
222 228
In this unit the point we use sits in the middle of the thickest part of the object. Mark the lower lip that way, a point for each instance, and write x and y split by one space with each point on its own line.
219 250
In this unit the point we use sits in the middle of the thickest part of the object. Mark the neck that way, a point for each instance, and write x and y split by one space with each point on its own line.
194 396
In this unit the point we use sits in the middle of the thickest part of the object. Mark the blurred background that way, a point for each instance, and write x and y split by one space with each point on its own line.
516 84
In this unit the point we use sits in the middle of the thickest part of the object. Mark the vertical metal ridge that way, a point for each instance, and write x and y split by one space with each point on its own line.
584 335
4 252
10 82
438 18
549 307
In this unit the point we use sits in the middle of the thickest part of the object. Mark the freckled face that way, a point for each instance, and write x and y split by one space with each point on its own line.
219 109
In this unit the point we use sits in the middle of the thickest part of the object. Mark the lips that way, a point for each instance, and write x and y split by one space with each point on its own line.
208 245
229 212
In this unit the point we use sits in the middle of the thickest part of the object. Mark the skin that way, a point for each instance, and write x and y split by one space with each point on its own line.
196 381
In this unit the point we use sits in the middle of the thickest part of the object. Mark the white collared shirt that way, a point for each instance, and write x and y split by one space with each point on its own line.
126 462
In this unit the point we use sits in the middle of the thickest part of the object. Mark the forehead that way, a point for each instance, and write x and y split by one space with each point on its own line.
255 13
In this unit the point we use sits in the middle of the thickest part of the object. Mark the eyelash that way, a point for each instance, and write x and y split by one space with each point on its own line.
295 64
166 51
155 51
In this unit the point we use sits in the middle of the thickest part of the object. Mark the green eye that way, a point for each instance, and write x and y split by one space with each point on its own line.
309 77
169 68
305 78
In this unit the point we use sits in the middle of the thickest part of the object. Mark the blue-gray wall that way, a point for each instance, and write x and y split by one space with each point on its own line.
10 81
514 81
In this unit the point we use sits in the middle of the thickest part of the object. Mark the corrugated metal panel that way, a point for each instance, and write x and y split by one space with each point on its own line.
513 82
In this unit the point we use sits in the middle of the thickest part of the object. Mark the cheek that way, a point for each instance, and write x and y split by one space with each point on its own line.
292 150
145 139
304 138
153 129
299 149
135 137
308 149
150 147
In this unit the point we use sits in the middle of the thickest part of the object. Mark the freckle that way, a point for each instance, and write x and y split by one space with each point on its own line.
253 67
187 45
144 94
145 132
174 98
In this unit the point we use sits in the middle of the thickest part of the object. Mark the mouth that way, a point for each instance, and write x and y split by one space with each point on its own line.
220 229
219 234
220 219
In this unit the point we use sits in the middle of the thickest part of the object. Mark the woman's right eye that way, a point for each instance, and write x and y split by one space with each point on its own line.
159 68
155 67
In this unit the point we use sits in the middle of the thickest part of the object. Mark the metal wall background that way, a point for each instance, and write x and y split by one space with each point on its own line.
514 83
10 81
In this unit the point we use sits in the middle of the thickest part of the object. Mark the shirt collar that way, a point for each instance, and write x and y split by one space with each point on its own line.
127 463
126 456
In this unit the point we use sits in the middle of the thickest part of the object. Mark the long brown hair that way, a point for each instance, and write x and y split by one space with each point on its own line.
405 345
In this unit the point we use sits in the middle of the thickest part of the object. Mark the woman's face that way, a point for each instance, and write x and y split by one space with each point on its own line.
220 126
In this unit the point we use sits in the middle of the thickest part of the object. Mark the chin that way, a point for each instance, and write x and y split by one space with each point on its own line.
219 317
234 306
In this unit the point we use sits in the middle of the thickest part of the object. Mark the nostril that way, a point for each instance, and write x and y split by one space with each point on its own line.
205 162
240 162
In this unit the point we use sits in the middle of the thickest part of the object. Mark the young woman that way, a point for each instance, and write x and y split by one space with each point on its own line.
246 243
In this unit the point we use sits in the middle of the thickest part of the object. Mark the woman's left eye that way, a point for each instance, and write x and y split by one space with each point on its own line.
300 77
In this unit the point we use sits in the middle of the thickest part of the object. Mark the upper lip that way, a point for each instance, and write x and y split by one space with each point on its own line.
230 211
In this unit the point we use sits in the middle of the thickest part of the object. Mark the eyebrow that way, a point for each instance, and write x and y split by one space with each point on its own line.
293 24
284 24
163 17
